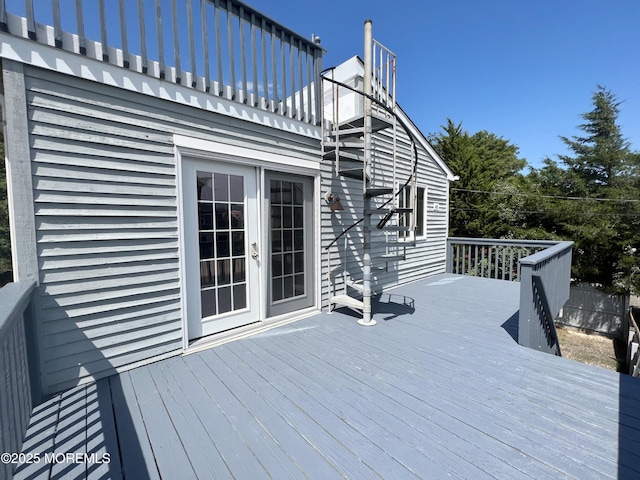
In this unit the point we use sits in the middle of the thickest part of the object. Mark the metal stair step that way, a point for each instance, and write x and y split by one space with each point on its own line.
351 132
342 144
347 301
378 191
390 257
396 228
360 288
356 173
331 155
377 123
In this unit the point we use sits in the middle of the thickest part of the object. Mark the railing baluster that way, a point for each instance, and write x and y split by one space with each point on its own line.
274 70
57 28
31 21
161 65
243 57
143 38
504 252
475 262
254 61
283 65
232 64
192 48
176 41
292 73
205 44
3 17
82 41
104 43
308 110
511 264
265 77
300 84
219 49
123 33
317 82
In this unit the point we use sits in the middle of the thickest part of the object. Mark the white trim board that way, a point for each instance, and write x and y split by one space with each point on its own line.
203 148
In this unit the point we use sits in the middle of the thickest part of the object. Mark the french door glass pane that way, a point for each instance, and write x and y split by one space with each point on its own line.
223 259
287 235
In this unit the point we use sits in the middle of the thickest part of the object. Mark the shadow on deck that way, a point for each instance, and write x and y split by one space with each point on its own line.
443 390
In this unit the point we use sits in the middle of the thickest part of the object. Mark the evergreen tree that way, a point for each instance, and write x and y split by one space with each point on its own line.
484 162
603 171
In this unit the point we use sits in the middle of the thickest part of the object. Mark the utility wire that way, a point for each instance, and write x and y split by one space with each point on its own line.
488 192
586 213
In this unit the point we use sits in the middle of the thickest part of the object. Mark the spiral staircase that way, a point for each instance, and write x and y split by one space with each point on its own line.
385 228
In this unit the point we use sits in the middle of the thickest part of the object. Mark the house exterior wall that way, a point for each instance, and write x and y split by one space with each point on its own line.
105 209
105 205
428 255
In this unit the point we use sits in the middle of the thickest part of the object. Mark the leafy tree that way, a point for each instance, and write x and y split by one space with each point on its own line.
484 162
602 170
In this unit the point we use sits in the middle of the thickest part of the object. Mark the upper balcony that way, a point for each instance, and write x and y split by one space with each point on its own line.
223 48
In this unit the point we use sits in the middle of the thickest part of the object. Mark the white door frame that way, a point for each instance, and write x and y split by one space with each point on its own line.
283 162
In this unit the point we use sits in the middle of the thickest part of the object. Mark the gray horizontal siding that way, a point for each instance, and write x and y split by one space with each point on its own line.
104 179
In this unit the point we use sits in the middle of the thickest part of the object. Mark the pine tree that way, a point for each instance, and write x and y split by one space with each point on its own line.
484 162
601 169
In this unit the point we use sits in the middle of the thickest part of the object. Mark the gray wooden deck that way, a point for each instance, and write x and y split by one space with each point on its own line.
438 389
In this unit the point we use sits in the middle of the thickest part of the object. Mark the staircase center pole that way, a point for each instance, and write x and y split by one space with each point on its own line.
366 229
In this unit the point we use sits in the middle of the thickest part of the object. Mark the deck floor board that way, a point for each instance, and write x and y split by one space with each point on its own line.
439 388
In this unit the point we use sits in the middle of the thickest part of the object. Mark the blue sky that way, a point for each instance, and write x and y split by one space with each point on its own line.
524 70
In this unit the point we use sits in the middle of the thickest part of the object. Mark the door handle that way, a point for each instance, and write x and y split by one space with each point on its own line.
254 251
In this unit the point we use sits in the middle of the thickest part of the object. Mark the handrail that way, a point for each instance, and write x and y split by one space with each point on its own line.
17 380
14 298
544 289
233 50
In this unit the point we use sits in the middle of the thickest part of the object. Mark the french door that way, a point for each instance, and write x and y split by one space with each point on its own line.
222 253
289 203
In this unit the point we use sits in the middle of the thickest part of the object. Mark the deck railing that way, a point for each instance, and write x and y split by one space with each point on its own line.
544 289
633 344
490 258
16 378
220 46
543 269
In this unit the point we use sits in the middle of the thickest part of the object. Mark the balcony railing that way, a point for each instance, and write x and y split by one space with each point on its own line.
220 46
17 381
490 258
543 269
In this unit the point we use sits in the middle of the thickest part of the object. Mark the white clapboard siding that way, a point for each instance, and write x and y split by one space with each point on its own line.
104 178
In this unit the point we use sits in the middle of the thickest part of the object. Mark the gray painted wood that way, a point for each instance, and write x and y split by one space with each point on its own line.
71 434
18 154
39 439
135 449
102 441
170 456
438 388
